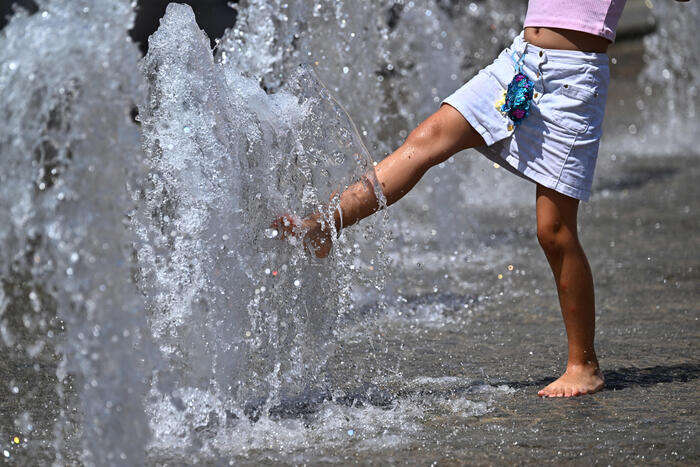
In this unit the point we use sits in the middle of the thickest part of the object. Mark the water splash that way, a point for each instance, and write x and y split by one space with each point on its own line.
670 81
224 159
401 57
68 150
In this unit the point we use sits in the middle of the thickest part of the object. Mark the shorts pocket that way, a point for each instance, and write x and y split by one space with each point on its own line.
572 107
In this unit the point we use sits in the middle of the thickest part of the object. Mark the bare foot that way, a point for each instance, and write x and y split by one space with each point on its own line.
317 238
576 381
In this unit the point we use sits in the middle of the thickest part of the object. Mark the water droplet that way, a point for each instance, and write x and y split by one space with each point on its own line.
351 432
271 233
297 283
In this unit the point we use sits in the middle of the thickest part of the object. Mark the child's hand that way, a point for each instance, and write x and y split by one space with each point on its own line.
286 225
317 239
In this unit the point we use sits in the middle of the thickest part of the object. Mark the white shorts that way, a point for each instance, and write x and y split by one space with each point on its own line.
556 145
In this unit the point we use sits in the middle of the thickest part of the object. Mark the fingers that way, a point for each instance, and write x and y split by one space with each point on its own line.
315 236
286 225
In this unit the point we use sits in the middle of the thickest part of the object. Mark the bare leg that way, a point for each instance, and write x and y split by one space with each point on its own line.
441 135
557 233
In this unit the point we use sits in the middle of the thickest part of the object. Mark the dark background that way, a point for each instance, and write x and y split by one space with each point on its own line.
214 16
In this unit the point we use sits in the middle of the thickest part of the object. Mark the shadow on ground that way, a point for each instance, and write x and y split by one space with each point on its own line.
623 378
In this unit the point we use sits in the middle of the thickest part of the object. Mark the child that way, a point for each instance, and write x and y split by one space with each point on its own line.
537 110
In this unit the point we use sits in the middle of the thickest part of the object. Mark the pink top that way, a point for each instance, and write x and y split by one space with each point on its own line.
597 17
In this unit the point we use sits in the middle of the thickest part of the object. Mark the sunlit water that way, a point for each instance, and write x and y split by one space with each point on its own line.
145 301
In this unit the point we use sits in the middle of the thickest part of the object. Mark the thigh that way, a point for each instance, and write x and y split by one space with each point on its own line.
436 139
445 133
457 133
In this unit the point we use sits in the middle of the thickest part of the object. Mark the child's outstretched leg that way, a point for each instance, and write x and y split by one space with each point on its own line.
557 233
441 135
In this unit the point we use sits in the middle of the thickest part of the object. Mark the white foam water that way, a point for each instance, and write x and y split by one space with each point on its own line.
238 316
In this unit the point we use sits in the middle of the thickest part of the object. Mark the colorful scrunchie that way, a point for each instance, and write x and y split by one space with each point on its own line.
518 95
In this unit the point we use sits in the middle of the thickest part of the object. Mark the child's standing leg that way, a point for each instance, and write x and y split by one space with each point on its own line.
557 233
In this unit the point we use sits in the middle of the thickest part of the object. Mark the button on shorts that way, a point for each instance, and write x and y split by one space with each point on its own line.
556 145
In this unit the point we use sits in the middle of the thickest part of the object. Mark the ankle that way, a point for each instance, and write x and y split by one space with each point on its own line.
583 365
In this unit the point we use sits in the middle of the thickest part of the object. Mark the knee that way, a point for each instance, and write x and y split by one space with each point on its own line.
554 237
427 139
427 133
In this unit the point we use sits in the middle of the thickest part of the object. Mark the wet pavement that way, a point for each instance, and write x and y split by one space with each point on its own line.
449 374
640 233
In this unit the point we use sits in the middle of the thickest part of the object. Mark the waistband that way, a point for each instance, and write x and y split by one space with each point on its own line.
522 47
